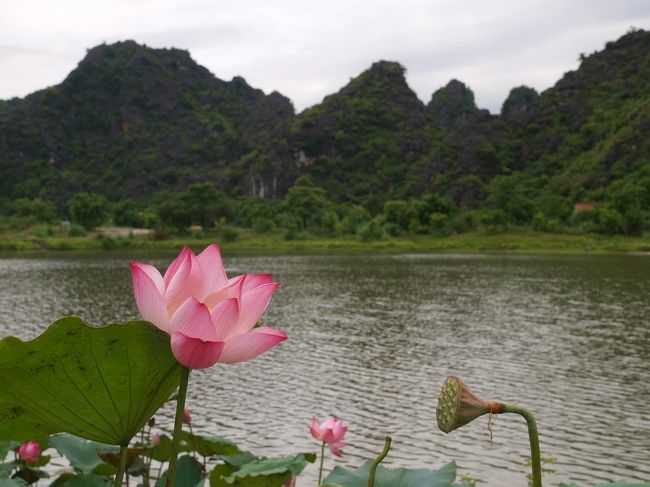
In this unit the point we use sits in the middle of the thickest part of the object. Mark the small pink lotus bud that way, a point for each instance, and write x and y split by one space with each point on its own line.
155 439
30 451
187 417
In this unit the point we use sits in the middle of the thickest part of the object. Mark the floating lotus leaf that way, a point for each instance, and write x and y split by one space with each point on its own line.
99 383
399 477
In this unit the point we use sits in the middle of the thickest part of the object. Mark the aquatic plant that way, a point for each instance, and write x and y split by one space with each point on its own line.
330 432
458 406
210 318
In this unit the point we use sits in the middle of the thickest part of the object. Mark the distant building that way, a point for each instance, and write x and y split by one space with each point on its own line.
578 207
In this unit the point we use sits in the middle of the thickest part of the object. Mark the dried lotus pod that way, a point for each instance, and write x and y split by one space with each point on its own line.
458 405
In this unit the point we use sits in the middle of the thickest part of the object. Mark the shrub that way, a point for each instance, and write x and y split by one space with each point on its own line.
88 210
229 234
438 222
399 212
125 214
609 221
371 231
492 221
263 225
353 219
75 230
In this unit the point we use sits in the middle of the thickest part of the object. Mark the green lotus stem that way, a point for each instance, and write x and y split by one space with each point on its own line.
535 456
375 464
124 452
178 425
458 406
322 459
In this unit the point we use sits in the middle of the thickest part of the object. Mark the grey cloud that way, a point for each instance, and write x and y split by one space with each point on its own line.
307 50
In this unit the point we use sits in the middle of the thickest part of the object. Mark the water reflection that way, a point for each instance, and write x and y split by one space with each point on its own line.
372 339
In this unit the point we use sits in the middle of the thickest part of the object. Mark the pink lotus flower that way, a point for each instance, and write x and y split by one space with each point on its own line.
331 432
210 318
30 451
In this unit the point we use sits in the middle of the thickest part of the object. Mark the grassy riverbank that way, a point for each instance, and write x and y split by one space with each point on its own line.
248 241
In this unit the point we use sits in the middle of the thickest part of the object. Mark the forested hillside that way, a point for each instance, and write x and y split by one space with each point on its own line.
149 125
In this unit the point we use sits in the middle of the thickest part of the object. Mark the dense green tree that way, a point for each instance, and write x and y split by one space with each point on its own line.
88 210
175 213
307 202
206 204
250 210
36 209
432 203
628 199
354 218
506 193
127 214
399 212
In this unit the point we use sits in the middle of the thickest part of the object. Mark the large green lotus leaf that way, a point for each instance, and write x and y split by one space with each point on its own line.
209 445
270 472
82 454
399 477
99 383
88 480
189 473
12 483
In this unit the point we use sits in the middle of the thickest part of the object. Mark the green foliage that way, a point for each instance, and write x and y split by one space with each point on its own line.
251 210
229 234
206 204
399 477
189 473
492 221
609 221
518 101
268 472
374 142
542 224
453 104
174 213
88 210
263 225
102 384
371 231
127 214
399 212
438 222
506 193
82 454
36 210
355 217
308 203
75 230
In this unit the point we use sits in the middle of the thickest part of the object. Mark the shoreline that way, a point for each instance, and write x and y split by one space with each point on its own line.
251 243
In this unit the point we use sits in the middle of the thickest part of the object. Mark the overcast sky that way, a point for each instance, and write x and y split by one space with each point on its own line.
307 49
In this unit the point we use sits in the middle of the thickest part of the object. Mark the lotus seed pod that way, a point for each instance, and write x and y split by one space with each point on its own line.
458 405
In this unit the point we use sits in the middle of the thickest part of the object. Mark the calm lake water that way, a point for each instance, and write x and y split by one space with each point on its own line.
371 339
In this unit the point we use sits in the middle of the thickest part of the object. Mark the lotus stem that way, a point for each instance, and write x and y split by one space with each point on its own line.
535 456
322 459
378 460
124 451
178 425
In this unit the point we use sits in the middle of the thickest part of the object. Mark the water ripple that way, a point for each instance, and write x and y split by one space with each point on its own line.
372 339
